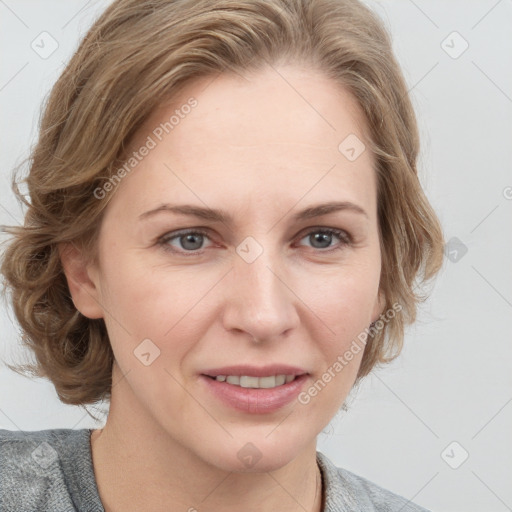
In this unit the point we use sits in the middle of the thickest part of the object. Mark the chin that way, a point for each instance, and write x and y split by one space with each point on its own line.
260 455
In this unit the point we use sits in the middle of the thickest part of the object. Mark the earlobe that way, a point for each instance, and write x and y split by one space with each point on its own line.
83 289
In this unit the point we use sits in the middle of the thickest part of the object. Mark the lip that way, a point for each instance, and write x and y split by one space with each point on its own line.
252 400
256 371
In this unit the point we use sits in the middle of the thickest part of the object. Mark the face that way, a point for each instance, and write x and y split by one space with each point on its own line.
185 295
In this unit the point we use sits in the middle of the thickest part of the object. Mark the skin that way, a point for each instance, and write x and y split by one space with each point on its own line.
258 149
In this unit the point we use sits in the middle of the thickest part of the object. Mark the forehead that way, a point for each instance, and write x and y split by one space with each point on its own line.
275 129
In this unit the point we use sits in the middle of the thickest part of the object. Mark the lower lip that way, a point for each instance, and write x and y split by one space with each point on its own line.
256 401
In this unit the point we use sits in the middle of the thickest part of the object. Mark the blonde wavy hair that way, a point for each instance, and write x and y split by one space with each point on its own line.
135 57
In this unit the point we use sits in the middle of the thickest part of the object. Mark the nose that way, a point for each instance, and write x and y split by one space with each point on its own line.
259 299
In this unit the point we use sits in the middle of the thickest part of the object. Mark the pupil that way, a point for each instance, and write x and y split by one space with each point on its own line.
323 237
190 238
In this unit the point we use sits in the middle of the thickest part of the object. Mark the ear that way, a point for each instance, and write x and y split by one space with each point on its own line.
82 281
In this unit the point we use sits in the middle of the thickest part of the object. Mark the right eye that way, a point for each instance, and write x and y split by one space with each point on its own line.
188 242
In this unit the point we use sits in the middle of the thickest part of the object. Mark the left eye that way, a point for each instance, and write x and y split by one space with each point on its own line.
324 236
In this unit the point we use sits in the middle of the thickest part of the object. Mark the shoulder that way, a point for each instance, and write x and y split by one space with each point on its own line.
43 470
10 438
37 449
347 491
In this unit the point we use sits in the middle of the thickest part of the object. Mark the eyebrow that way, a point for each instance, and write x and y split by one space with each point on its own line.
224 217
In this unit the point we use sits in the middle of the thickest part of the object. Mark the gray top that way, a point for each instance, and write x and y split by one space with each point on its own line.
51 470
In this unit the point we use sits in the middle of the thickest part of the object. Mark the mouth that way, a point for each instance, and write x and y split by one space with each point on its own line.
256 377
255 394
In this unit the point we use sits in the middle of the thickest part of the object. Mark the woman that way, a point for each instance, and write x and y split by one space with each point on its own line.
224 235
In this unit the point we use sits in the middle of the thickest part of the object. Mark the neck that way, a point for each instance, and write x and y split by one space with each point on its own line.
139 466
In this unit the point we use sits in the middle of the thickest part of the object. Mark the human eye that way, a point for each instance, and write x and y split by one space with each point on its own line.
184 242
323 237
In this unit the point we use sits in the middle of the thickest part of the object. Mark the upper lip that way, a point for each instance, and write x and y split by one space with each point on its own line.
256 371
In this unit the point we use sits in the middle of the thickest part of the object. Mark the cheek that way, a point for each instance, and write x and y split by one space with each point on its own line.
151 302
344 303
345 298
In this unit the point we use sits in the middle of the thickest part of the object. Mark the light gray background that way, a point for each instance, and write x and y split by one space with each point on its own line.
453 381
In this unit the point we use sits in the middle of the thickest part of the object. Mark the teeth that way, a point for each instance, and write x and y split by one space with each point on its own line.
245 381
280 380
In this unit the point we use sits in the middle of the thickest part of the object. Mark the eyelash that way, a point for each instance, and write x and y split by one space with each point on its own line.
163 241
